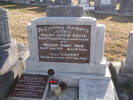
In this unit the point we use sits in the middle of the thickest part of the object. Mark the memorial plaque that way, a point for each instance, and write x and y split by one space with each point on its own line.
30 86
64 43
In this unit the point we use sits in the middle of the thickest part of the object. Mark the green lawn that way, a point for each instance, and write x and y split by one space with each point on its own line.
117 28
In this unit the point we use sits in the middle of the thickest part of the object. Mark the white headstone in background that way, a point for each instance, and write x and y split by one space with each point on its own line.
105 2
41 0
83 1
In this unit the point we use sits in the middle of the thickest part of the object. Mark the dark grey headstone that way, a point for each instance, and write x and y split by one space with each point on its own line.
64 11
129 56
126 5
4 28
63 2
105 5
21 1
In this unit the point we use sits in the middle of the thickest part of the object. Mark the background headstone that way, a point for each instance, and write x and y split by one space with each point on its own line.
85 4
10 66
21 1
4 28
8 48
66 11
105 5
126 7
63 2
129 57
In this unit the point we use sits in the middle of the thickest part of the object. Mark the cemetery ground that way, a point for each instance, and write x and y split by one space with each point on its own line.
117 27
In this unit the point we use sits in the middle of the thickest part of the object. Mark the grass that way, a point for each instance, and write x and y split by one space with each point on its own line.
117 27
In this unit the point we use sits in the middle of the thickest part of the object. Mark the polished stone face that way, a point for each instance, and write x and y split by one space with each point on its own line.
30 86
64 43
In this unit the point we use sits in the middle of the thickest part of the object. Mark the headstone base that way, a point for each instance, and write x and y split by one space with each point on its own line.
66 67
8 56
126 13
112 12
72 79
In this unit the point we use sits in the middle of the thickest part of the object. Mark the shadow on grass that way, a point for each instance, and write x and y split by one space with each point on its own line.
115 18
20 6
39 9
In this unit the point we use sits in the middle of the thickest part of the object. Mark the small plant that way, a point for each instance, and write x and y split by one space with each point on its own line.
129 85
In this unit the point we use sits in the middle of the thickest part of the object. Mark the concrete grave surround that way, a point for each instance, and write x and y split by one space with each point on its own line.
129 57
67 94
97 63
97 89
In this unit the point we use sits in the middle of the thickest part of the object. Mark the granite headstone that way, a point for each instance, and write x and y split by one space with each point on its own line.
126 7
4 28
8 55
8 48
105 5
66 11
129 57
